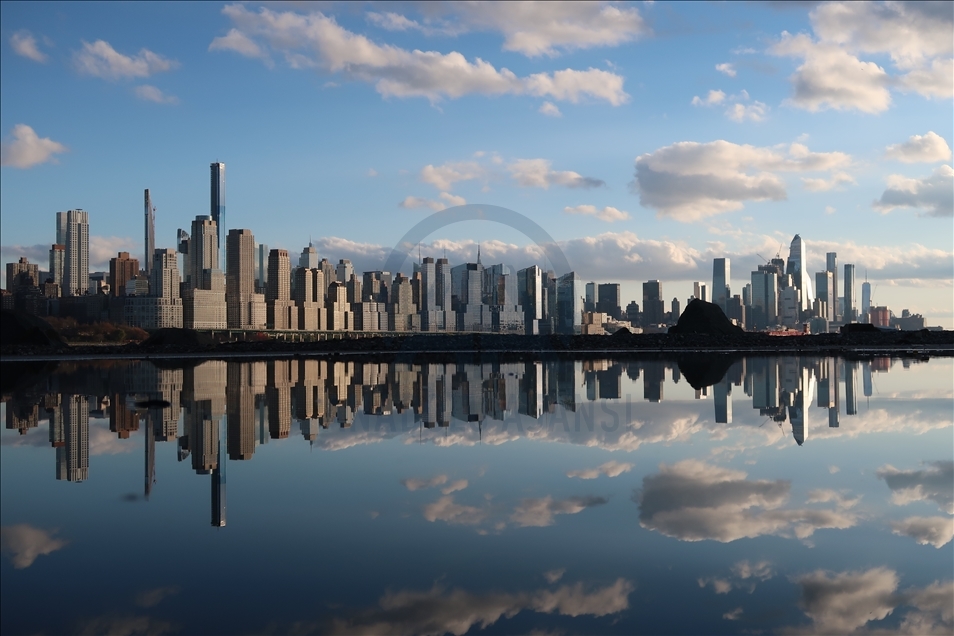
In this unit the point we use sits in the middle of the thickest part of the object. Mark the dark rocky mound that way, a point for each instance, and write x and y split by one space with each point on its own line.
18 328
859 327
701 317
170 337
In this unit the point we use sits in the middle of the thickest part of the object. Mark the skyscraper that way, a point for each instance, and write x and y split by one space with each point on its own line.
309 257
244 308
865 298
72 227
721 277
796 269
849 293
653 304
608 299
831 260
150 233
122 269
203 303
57 262
825 290
765 296
278 291
217 211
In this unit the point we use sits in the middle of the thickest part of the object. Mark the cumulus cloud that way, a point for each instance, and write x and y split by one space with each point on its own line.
934 193
25 149
314 40
936 531
610 469
827 495
153 94
457 611
713 98
933 483
100 59
550 109
547 28
447 510
761 570
540 512
696 501
608 214
691 180
726 68
927 148
24 543
444 177
24 44
536 173
447 199
916 37
824 185
756 111
238 42
413 484
840 603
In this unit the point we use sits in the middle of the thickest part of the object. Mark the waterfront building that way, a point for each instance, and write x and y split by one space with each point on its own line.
721 278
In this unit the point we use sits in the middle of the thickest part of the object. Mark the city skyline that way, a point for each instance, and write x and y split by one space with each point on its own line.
582 138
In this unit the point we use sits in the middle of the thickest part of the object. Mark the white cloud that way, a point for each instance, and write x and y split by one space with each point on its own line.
27 149
24 44
103 248
445 176
536 173
458 611
421 202
936 531
843 602
761 570
827 495
238 42
24 543
546 28
315 40
933 194
549 109
690 180
608 214
714 97
100 59
447 510
413 484
824 185
916 37
695 501
927 148
726 68
540 512
454 486
934 483
153 94
610 469
755 111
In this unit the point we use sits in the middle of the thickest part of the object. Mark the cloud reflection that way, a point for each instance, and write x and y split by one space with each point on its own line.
694 501
24 543
935 483
936 531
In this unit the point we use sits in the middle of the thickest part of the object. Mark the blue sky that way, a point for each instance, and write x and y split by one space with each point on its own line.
646 138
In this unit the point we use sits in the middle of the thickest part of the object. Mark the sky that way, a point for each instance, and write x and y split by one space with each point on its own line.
645 138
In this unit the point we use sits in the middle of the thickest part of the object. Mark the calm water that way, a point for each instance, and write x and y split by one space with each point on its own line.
556 496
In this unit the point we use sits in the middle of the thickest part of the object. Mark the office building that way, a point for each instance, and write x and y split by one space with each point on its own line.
217 208
261 267
280 310
530 297
23 273
57 263
721 277
344 271
865 300
245 309
608 300
831 265
570 294
163 306
203 299
653 304
800 277
149 232
700 291
849 287
122 269
590 302
764 297
309 257
825 294
72 230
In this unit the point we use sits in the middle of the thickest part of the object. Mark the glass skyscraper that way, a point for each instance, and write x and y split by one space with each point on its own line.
217 211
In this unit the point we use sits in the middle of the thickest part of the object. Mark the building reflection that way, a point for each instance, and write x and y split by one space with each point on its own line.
219 410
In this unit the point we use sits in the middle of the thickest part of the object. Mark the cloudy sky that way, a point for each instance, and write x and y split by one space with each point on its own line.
646 138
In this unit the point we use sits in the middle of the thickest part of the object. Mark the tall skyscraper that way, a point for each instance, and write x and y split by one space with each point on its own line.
831 265
244 308
721 277
261 267
765 296
653 304
849 293
825 290
72 227
800 277
865 298
278 291
700 291
217 211
150 233
57 262
309 257
203 303
608 300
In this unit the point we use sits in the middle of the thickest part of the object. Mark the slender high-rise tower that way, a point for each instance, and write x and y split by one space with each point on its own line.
849 284
832 266
150 234
217 211
800 277
721 277
72 227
